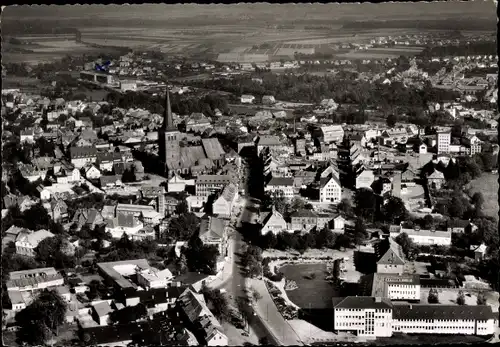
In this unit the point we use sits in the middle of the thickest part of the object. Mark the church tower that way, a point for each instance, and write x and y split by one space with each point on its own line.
169 140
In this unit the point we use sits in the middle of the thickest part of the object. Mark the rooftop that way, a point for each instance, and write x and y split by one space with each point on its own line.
116 270
441 312
363 302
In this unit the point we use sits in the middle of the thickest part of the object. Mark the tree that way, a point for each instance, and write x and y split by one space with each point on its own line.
184 226
433 297
366 203
394 210
478 200
181 264
41 318
182 207
406 244
345 206
218 302
461 298
201 258
481 299
359 234
457 207
391 120
129 175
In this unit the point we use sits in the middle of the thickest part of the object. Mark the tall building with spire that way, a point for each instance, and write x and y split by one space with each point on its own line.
169 139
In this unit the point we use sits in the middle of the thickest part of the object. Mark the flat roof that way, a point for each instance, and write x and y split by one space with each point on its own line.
110 270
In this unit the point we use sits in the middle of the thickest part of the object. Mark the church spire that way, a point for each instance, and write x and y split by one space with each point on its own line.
168 122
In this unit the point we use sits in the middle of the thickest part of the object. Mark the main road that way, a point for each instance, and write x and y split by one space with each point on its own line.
236 283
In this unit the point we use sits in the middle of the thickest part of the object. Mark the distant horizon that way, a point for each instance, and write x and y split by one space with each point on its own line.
334 11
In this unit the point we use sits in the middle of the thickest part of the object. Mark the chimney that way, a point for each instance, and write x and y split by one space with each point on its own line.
411 306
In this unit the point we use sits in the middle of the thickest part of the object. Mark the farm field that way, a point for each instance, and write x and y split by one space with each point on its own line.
487 184
315 292
376 54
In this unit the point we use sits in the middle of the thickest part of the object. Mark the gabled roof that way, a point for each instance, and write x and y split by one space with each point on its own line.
213 148
393 255
212 228
281 181
82 152
304 213
443 312
325 180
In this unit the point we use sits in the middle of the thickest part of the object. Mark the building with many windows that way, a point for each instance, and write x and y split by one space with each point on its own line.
443 141
206 185
378 317
281 185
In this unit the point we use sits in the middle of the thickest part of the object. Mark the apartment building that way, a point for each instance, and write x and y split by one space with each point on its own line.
208 184
392 286
472 144
135 210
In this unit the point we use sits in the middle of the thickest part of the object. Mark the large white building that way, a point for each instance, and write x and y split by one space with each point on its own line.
424 237
33 280
26 244
364 316
378 317
330 190
443 141
332 133
223 205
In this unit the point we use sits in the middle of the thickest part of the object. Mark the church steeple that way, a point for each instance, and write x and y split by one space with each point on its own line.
168 122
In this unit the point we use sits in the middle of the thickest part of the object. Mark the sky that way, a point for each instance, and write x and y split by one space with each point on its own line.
367 11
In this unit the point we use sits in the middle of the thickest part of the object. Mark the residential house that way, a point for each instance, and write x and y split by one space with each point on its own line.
305 220
27 135
90 217
390 257
58 210
436 179
91 172
272 222
268 100
178 184
281 185
26 244
68 176
171 203
223 205
34 280
149 192
247 99
365 179
213 231
197 122
195 309
82 155
338 225
330 189
110 181
472 144
460 226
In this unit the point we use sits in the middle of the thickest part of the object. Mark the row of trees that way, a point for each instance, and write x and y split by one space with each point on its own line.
180 104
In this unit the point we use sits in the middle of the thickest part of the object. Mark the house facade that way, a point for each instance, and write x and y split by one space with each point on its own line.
330 190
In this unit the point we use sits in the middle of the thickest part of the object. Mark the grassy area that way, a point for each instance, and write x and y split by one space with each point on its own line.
487 184
315 291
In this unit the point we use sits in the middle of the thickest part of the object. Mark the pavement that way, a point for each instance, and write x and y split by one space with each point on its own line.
272 318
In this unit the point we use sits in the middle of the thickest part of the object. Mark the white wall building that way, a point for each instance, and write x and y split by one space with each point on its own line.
330 190
332 133
364 316
443 141
280 185
375 317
